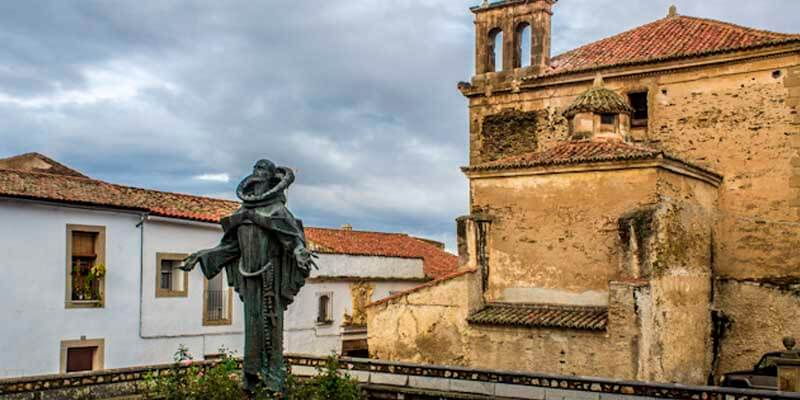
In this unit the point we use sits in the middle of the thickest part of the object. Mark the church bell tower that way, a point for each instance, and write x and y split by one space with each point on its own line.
503 27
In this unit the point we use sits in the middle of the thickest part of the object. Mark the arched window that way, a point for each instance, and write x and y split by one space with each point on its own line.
522 45
495 50
324 309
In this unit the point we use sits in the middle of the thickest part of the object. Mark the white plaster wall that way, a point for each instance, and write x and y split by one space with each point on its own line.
33 245
35 320
303 334
170 316
369 266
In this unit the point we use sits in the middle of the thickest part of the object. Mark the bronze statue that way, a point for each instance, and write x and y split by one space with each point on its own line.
265 258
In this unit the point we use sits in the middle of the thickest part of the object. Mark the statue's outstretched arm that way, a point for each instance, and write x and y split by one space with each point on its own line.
212 261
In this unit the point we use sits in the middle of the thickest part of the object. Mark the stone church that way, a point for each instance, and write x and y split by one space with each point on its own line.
635 205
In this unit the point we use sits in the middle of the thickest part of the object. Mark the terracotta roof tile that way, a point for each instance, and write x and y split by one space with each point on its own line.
668 38
542 316
85 191
571 152
436 261
67 188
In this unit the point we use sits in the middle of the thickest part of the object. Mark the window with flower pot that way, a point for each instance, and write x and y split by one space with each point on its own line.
86 268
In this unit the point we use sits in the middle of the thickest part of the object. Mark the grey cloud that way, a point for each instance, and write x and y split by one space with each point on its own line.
359 96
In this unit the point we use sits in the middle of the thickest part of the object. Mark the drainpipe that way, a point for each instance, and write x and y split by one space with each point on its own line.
140 225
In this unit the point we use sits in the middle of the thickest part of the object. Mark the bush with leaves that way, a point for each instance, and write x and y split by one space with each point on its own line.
328 384
222 381
186 380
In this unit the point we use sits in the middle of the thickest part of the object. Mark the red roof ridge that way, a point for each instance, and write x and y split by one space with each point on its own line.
736 26
363 231
671 37
128 187
194 196
434 282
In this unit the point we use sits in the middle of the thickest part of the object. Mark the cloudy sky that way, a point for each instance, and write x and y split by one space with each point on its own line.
359 96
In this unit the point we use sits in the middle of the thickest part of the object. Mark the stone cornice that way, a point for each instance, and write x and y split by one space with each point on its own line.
503 3
661 162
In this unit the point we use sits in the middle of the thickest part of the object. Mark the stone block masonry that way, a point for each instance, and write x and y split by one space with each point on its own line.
792 83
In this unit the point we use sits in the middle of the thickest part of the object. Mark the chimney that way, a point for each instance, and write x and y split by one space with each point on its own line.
507 22
347 227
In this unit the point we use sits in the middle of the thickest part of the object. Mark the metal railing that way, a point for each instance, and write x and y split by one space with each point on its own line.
589 386
215 305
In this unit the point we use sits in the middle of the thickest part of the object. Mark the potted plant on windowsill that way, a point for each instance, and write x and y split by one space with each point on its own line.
87 290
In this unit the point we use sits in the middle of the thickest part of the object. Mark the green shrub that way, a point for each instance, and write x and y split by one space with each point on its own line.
186 380
222 381
328 384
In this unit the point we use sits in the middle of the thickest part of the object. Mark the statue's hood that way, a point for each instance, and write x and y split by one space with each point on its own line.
277 186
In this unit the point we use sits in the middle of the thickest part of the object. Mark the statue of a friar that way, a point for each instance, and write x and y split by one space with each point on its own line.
265 258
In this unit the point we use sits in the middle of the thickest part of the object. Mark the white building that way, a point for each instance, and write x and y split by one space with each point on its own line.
91 279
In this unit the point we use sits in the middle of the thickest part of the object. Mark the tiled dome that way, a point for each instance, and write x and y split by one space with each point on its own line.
598 100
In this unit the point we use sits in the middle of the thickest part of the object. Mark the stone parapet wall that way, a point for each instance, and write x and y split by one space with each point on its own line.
391 380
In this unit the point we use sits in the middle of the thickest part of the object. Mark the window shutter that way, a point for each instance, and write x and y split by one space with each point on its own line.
83 244
80 359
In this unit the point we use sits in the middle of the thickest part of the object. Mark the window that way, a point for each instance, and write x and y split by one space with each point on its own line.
86 269
638 102
523 45
324 308
608 119
82 355
170 280
495 50
217 301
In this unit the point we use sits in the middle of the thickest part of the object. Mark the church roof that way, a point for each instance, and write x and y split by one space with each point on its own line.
541 316
64 185
673 37
598 100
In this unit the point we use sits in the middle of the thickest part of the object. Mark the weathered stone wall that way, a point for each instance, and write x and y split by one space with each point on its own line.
430 326
676 323
508 133
761 314
741 125
739 119
426 325
563 351
558 231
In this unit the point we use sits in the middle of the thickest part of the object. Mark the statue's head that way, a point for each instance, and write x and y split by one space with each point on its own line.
264 169
267 182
